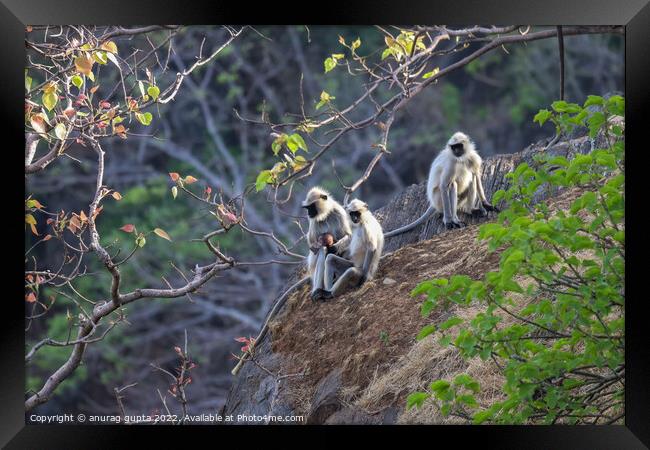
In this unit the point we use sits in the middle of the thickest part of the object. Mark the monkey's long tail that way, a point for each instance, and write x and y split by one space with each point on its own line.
412 225
283 298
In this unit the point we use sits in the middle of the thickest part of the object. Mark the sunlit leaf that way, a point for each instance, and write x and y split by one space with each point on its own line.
162 233
109 46
153 91
431 74
144 118
329 64
60 131
100 57
50 100
77 81
84 64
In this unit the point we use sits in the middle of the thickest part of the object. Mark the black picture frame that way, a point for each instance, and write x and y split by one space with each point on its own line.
633 14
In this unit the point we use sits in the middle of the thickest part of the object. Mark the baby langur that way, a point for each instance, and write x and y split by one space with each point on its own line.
329 233
365 249
454 184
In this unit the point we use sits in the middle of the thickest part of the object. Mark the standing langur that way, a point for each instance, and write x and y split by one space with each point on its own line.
329 233
365 249
454 183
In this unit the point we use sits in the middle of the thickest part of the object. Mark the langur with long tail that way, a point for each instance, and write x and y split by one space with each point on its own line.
454 184
329 233
364 252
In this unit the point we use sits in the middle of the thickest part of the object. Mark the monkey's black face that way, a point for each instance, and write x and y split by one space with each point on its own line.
312 210
458 149
355 216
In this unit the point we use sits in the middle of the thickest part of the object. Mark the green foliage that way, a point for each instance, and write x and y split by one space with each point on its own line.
402 45
286 146
560 350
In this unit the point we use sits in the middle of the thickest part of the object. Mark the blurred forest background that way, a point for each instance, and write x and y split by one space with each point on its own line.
493 99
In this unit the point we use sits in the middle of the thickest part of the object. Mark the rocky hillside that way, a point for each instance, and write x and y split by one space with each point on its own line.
354 359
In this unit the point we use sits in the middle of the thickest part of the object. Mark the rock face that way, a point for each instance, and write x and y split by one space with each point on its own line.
275 385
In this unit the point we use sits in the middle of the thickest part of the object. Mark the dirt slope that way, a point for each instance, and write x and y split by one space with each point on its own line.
366 331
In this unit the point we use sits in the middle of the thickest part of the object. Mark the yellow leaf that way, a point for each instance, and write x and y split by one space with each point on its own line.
116 195
60 131
30 219
190 179
84 64
162 233
109 46
49 88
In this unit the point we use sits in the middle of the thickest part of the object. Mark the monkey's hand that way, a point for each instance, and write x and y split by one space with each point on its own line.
489 207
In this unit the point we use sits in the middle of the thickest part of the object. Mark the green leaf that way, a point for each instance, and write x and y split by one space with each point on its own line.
416 399
153 91
100 57
263 179
432 73
542 116
144 118
28 81
356 44
468 400
292 145
426 331
439 386
594 100
298 141
77 81
330 63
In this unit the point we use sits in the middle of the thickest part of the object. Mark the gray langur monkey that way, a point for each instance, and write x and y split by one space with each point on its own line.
329 233
364 252
454 184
